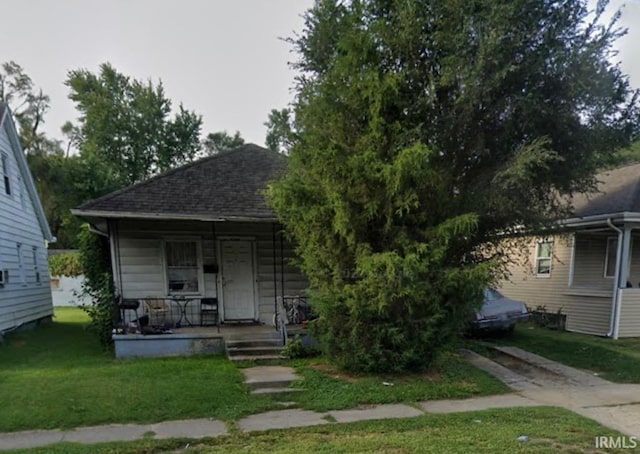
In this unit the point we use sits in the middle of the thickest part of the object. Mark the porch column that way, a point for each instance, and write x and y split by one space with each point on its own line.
572 263
624 261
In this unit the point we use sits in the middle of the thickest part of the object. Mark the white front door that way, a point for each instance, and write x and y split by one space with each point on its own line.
238 290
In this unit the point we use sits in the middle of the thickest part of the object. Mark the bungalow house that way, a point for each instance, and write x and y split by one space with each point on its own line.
198 234
591 274
25 295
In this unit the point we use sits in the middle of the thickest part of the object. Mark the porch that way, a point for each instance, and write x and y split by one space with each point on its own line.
204 340
604 278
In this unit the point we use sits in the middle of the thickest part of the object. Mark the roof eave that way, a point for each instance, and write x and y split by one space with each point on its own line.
585 221
93 214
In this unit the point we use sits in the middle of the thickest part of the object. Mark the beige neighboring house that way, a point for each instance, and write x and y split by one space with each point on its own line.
591 274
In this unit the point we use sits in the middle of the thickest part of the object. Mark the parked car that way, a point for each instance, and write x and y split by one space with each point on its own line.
499 312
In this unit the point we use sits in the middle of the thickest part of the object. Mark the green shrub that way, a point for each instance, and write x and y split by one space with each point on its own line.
98 284
296 349
551 320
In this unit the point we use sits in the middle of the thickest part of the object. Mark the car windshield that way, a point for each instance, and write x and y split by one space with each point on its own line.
491 294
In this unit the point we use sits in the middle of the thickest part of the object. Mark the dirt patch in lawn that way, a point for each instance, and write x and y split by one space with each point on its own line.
334 373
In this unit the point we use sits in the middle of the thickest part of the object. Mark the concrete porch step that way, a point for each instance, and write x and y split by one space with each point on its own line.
255 351
255 358
249 343
274 379
274 391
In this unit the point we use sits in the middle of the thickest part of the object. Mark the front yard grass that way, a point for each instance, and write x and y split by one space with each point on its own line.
328 389
550 430
57 376
614 360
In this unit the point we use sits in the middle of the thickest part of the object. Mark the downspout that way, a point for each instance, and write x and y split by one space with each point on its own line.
275 280
615 304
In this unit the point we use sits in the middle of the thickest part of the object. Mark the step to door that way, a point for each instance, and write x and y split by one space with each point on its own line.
255 351
248 343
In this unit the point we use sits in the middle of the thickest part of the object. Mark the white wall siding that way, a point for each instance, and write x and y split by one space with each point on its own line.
20 302
630 313
587 305
142 263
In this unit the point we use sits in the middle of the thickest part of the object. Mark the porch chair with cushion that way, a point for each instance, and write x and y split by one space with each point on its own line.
158 310
209 314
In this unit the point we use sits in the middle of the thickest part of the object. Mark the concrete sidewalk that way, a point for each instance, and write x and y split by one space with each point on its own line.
280 419
616 406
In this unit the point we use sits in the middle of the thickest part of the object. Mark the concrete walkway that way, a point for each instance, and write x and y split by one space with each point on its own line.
616 406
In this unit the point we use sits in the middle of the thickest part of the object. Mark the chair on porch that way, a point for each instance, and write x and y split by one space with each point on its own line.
127 323
209 313
158 311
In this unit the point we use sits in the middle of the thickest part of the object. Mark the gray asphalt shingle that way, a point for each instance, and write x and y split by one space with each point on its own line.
226 185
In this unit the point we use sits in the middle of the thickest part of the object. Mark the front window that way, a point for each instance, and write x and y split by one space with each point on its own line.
610 259
182 266
543 258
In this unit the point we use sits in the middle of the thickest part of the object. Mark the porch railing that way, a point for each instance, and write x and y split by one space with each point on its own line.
161 314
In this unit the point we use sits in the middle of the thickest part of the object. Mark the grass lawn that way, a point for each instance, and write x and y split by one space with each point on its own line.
57 376
328 389
492 431
615 360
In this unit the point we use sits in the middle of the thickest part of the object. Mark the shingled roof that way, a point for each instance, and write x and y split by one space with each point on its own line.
618 192
226 186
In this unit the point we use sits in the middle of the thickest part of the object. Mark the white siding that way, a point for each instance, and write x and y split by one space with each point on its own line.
21 303
587 304
139 245
630 313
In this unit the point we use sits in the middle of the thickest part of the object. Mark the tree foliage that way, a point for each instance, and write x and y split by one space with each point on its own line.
125 125
67 264
216 142
426 129
280 130
28 105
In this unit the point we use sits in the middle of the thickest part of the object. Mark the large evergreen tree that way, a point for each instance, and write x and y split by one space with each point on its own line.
425 131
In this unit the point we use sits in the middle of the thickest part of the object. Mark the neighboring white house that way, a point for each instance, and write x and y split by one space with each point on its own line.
25 292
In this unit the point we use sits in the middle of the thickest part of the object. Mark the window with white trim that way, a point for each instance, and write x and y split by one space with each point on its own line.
21 192
34 253
5 173
544 252
21 270
610 257
183 270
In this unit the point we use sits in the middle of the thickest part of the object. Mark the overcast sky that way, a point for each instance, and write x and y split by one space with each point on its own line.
221 58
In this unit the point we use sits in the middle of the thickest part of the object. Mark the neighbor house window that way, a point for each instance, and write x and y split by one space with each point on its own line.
34 253
610 259
543 258
5 174
21 270
182 266
21 192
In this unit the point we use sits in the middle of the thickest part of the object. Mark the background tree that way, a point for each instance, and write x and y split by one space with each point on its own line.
428 130
280 131
125 124
28 105
216 142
